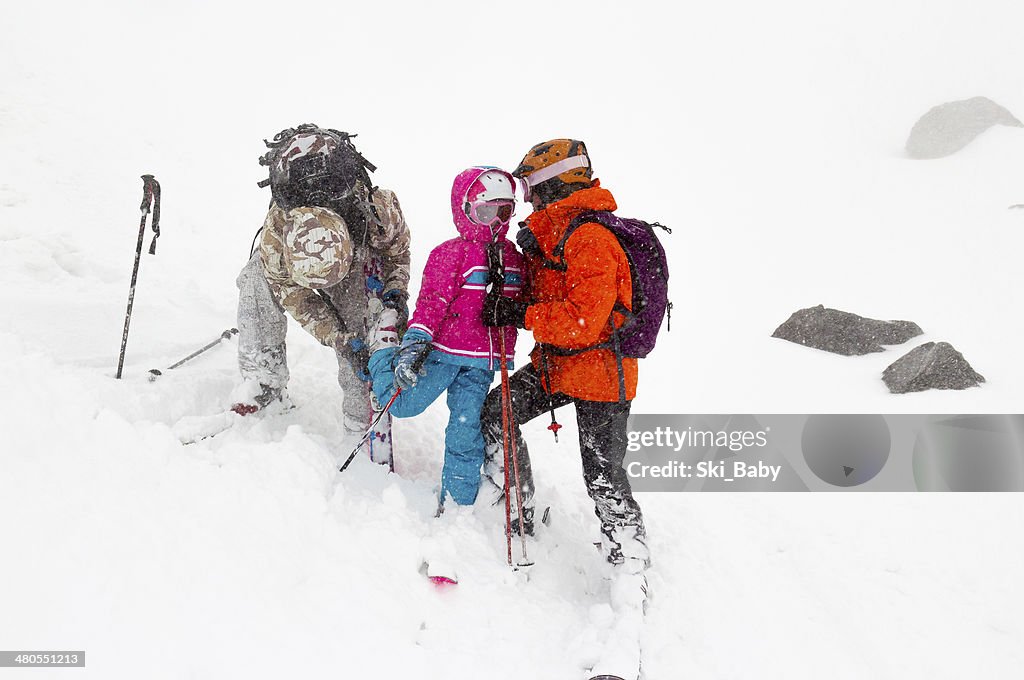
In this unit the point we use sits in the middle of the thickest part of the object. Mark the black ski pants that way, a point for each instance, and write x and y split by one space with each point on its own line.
603 438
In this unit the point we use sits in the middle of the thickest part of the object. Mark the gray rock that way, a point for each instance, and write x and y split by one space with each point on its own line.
842 332
933 365
949 127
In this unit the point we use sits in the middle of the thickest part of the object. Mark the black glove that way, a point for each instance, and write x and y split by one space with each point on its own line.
354 351
504 311
528 241
398 300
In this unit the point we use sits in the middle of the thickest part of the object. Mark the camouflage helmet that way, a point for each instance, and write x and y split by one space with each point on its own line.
318 250
311 165
564 159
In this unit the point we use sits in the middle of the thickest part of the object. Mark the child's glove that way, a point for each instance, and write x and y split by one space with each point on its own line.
504 311
409 358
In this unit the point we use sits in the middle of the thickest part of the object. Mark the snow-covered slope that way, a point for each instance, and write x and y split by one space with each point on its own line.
769 136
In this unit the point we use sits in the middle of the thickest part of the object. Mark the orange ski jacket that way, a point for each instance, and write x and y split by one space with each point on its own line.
572 309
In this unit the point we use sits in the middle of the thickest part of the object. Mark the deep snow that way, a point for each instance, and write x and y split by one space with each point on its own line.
769 136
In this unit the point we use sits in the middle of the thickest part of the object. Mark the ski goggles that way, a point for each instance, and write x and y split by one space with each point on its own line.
490 212
551 171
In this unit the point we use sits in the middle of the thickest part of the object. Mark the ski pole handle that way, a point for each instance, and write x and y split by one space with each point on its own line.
147 194
151 203
420 360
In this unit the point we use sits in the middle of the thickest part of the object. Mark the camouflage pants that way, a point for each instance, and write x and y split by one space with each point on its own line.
262 325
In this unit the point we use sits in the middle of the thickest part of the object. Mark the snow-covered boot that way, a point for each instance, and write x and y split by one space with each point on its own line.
383 331
493 494
626 547
628 590
251 396
354 432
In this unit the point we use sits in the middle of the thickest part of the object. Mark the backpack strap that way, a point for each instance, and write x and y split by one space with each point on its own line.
617 350
612 343
252 248
558 264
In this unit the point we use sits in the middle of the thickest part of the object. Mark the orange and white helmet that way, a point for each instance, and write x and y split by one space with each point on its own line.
564 159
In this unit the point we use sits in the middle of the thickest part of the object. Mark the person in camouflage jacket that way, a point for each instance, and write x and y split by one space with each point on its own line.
368 241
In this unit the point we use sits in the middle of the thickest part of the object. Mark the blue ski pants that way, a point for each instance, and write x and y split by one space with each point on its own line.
463 440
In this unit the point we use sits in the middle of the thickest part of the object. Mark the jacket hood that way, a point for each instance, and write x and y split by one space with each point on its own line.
468 229
594 197
549 223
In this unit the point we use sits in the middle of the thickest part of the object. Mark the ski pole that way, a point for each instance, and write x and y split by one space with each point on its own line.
150 202
496 286
155 373
505 463
369 431
555 426
510 436
416 366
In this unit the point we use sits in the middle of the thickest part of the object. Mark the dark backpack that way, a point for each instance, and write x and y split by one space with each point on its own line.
310 165
648 270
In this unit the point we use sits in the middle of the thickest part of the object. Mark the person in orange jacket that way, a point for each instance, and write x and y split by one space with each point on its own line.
569 308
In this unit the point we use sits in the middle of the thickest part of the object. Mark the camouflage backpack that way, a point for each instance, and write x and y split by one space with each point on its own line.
314 166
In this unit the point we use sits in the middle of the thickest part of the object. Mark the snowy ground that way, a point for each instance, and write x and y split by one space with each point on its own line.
769 136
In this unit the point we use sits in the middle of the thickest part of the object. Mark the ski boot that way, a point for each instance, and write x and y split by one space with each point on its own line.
251 396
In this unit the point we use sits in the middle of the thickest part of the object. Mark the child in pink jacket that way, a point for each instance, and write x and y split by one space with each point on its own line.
447 347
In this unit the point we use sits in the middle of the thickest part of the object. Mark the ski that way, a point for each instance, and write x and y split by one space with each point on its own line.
379 441
193 429
621 659
439 573
623 652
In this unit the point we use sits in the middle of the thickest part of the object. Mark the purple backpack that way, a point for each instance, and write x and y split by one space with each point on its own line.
648 268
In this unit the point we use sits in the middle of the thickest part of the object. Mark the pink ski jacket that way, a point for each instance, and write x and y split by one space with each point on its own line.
451 298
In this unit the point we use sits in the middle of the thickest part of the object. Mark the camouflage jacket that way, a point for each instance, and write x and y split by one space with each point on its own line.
388 240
